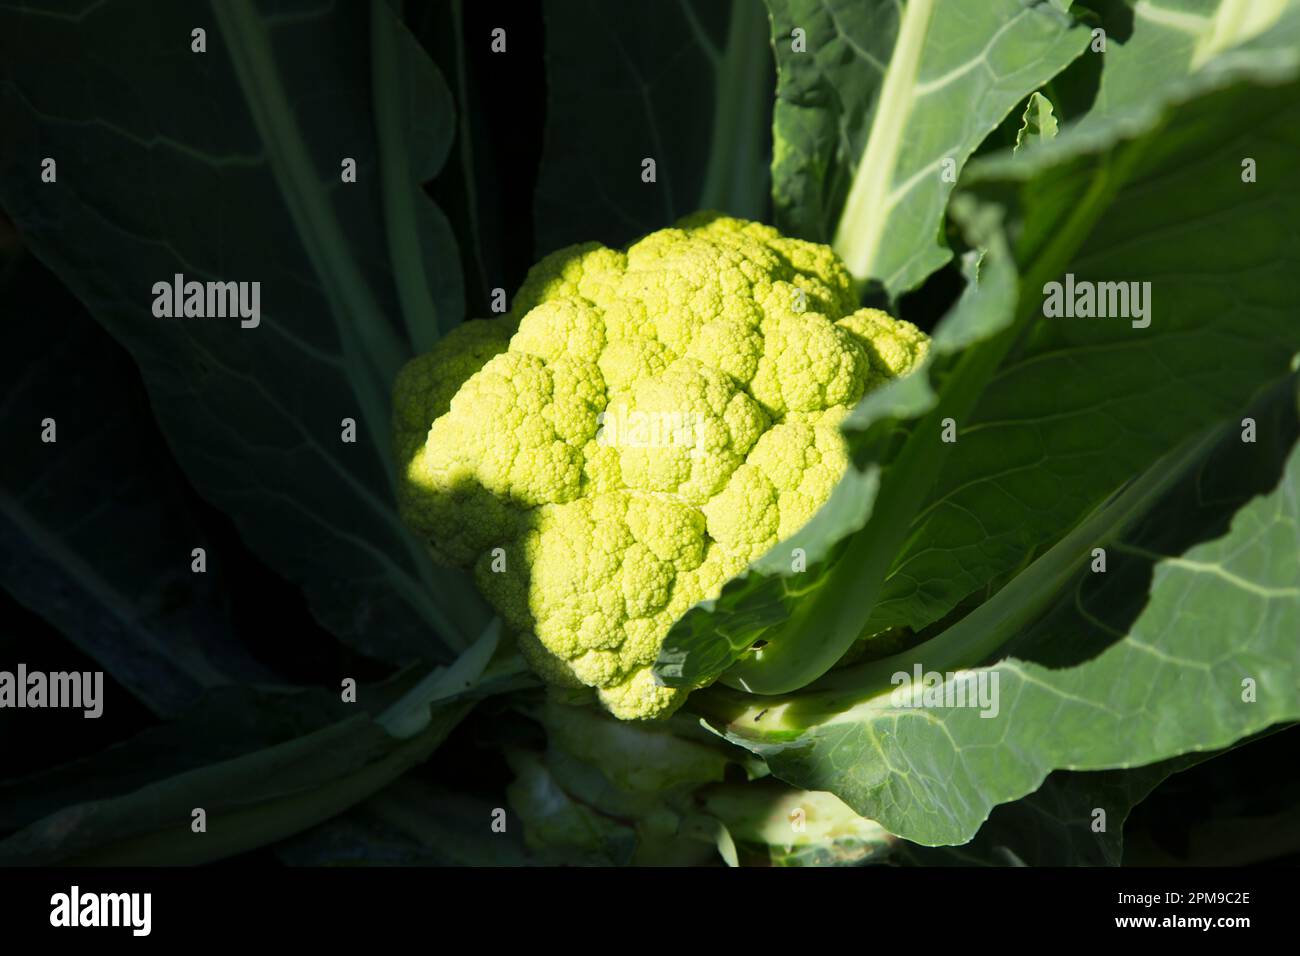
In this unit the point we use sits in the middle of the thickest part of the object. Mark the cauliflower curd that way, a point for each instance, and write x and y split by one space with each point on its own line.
640 427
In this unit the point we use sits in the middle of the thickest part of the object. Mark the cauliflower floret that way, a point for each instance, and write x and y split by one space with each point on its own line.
808 364
786 478
447 512
893 347
592 582
642 426
514 438
686 431
559 327
425 386
587 271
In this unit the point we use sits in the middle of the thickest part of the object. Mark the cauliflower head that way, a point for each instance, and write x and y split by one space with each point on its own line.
641 426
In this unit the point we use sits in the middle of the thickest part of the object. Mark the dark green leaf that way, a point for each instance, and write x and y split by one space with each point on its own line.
1073 819
96 532
687 84
264 767
1131 673
1080 404
226 166
1083 404
877 114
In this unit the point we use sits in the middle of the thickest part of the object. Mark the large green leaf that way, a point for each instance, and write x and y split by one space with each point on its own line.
71 511
262 765
879 111
250 800
226 165
1073 819
224 724
1117 673
1166 52
1079 405
686 84
1082 404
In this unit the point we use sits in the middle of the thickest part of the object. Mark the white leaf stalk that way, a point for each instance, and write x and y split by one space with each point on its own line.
860 232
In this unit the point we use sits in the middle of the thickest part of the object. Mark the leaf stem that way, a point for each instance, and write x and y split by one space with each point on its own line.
863 220
736 179
400 193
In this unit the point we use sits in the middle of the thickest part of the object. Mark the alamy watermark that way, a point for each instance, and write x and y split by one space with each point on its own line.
1102 300
77 909
621 427
921 689
75 690
208 300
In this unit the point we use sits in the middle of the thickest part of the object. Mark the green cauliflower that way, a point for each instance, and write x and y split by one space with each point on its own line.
639 428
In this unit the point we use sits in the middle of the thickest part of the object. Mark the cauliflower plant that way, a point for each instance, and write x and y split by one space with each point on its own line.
639 428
